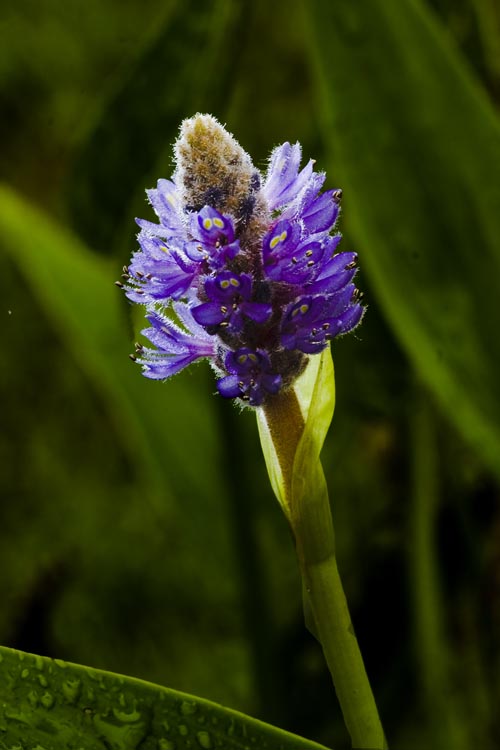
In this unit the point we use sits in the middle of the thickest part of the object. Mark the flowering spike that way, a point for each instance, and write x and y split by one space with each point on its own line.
241 269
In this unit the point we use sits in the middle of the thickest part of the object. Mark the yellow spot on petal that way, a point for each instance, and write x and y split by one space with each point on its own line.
234 282
242 359
225 283
253 357
304 308
219 223
171 198
207 223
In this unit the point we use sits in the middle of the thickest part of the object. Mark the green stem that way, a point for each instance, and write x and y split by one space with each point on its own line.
312 526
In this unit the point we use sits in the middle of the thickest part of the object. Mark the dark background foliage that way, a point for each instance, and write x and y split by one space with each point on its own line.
138 532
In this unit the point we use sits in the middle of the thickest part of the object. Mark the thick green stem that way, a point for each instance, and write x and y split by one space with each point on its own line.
342 654
309 514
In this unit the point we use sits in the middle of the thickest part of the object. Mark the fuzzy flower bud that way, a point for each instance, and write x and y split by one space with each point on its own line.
242 268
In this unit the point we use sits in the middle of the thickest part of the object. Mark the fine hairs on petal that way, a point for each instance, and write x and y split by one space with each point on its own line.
248 264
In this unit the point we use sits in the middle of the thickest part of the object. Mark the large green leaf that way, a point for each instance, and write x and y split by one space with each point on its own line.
75 287
171 435
416 147
51 704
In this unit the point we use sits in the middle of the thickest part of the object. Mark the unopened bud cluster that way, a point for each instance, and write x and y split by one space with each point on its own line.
242 269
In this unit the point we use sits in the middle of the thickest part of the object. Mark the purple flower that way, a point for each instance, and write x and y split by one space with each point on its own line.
251 377
175 348
284 181
160 271
310 322
167 205
241 269
230 298
213 238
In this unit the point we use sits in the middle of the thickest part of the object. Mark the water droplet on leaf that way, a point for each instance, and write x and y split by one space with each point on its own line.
188 708
204 740
71 689
47 700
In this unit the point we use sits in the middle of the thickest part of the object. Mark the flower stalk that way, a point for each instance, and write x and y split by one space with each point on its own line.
243 270
293 426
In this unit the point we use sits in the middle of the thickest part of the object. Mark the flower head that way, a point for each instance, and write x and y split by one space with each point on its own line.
241 269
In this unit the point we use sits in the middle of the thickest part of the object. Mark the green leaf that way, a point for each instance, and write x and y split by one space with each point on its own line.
171 503
293 428
316 395
50 703
416 148
75 287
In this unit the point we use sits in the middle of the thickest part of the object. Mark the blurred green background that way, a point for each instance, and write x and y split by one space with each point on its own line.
138 532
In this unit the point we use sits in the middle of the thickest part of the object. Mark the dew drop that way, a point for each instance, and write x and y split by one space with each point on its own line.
126 718
183 730
42 680
188 708
47 700
204 740
60 663
71 689
166 745
33 698
38 663
25 673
